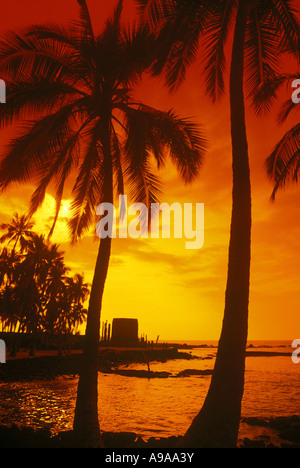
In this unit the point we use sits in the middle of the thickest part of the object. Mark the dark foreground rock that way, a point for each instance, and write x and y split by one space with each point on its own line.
26 437
286 429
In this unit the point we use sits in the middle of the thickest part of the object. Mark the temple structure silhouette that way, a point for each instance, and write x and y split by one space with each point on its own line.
125 332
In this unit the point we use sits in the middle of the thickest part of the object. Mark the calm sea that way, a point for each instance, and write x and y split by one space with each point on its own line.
157 407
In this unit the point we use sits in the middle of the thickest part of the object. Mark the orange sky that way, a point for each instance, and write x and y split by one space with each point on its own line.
174 292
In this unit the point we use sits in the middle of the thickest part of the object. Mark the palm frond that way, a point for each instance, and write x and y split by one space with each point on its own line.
144 186
261 54
60 191
181 137
286 16
188 148
283 164
88 188
137 46
285 111
62 164
154 12
152 132
266 95
23 52
108 49
215 38
178 40
55 33
66 44
29 96
117 157
86 21
27 156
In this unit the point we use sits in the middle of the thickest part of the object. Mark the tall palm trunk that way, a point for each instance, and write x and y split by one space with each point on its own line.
217 424
86 421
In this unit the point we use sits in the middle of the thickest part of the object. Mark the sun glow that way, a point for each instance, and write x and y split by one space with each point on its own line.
65 207
45 215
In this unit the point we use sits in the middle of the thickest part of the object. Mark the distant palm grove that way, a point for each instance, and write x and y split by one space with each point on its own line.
37 294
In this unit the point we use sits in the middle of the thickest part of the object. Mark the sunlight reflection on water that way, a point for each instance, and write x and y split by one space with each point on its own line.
162 407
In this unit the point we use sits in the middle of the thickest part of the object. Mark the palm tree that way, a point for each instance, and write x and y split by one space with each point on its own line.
30 291
9 264
74 294
9 310
78 289
261 29
54 290
36 294
19 230
78 86
67 305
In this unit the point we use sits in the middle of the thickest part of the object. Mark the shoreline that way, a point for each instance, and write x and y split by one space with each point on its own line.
280 432
48 367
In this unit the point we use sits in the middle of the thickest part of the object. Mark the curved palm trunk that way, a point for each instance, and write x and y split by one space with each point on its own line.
217 424
86 420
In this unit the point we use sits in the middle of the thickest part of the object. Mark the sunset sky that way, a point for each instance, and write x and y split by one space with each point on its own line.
178 293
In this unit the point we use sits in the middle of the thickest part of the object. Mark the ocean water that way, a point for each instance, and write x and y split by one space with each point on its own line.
157 407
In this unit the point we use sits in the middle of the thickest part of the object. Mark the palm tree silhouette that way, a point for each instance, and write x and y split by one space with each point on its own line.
19 230
54 288
36 272
78 289
64 310
36 293
70 304
78 86
261 29
9 264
